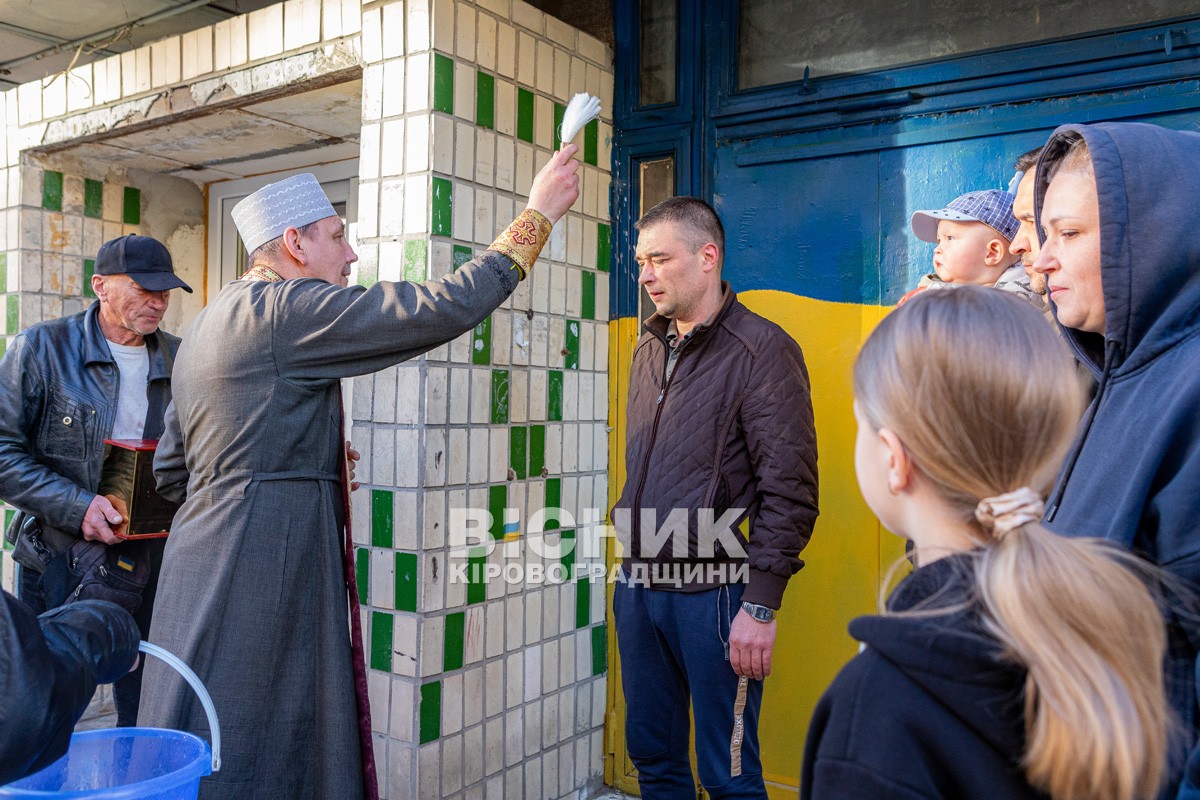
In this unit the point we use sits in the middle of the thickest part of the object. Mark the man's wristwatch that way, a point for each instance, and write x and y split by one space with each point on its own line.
759 613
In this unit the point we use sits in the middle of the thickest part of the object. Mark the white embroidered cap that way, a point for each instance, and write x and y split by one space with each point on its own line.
289 203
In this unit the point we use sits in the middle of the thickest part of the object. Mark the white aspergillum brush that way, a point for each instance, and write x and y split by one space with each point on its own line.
582 109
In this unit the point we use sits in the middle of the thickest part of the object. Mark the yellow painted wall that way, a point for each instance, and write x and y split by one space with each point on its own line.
845 561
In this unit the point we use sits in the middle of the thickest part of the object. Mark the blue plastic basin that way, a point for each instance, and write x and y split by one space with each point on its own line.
122 764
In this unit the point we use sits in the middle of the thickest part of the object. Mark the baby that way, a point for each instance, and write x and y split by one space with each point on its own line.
972 234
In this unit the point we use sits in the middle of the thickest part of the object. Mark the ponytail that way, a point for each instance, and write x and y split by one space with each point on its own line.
1077 616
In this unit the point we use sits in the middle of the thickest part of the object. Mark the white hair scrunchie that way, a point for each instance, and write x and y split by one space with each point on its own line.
1006 512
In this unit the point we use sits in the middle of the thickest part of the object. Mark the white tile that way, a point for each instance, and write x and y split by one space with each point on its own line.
435 447
352 13
418 25
391 208
331 19
502 341
521 339
498 450
417 144
483 217
473 642
378 696
506 108
265 32
429 767
515 676
481 393
416 204
417 86
443 25
485 42
54 97
81 91
392 145
407 465
543 122
538 351
464 151
533 743
433 630
505 166
392 85
473 744
393 30
591 48
477 468
574 240
464 91
464 34
452 709
545 68
514 612
526 60
459 395
301 23
528 17
463 211
497 7
523 180
506 50
578 76
562 76
382 579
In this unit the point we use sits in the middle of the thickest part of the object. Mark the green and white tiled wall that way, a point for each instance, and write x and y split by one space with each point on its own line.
480 687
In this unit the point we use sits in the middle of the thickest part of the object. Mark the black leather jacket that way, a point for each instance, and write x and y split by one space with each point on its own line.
58 403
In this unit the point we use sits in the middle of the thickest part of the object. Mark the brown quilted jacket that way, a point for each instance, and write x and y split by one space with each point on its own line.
732 429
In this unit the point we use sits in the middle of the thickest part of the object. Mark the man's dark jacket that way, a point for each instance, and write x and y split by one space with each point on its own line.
732 429
58 403
49 668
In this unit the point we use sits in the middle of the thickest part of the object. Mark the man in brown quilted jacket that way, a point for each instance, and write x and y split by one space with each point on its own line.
719 499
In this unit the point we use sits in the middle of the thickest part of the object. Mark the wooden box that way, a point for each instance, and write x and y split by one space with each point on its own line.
128 475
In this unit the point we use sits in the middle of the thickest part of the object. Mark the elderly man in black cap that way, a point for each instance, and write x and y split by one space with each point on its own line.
66 385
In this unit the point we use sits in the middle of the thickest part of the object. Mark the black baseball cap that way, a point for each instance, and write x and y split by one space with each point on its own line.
143 258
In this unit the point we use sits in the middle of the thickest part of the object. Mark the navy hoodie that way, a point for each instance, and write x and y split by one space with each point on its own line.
930 708
1133 476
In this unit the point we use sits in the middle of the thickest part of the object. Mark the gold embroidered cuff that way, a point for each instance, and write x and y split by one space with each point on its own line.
523 240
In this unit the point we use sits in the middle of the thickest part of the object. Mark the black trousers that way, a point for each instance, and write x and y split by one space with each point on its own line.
127 691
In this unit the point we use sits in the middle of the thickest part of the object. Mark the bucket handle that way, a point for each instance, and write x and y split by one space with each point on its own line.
209 709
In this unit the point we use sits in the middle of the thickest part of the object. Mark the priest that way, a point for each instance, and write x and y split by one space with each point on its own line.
252 593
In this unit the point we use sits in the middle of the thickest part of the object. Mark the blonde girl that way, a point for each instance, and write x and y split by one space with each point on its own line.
1013 662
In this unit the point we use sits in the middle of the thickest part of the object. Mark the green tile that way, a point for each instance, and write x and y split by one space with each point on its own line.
3 273
591 142
93 198
518 454
559 110
537 450
133 206
554 395
568 551
52 190
499 396
431 711
452 647
406 581
9 513
497 501
367 276
588 294
571 345
443 84
414 260
599 650
553 501
381 518
3 350
476 579
481 343
443 202
14 313
525 115
362 573
89 269
603 247
462 254
583 603
381 641
485 100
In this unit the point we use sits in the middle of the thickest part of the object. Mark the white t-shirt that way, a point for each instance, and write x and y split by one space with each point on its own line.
132 402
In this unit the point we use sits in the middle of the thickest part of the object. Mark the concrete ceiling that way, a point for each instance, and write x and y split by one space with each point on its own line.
41 37
298 130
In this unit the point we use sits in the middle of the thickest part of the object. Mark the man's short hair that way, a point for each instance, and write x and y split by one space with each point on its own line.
1027 161
269 250
697 221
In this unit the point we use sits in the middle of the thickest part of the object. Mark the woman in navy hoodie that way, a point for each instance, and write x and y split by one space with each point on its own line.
1012 663
1117 204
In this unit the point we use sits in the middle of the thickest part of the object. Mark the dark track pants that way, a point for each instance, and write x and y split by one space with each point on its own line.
672 651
